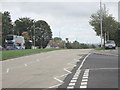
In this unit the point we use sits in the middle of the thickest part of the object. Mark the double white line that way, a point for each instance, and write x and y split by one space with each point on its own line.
75 77
85 79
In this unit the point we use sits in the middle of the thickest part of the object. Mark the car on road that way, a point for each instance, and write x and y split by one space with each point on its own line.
110 44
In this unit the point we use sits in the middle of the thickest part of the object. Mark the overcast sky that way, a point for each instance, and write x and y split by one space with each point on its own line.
66 19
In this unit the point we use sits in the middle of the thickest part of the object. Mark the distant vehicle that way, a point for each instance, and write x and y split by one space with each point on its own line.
13 42
110 44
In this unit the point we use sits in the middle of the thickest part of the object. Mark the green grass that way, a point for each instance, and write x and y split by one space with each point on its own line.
99 49
8 54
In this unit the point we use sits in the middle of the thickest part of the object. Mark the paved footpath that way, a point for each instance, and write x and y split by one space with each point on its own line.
44 70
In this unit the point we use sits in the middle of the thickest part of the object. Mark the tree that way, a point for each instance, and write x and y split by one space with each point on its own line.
7 27
57 42
75 45
109 25
24 25
43 33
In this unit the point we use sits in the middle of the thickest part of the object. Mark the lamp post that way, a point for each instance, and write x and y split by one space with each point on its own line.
101 23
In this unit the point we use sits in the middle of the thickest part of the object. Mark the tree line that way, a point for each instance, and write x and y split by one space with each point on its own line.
110 30
39 32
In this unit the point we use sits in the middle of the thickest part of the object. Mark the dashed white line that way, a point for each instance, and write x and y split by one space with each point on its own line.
71 84
85 77
58 80
73 80
84 80
83 86
7 70
76 75
55 86
70 87
83 83
67 70
25 65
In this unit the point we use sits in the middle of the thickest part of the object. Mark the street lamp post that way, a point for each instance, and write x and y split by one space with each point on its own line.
101 23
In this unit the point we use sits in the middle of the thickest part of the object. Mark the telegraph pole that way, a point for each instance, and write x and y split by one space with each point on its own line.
101 23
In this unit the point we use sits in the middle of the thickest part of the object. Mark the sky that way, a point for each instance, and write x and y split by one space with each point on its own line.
67 19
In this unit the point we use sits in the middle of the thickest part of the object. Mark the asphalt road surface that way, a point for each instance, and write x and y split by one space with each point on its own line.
79 68
98 71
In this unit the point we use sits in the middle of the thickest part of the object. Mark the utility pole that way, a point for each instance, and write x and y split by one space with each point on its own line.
101 23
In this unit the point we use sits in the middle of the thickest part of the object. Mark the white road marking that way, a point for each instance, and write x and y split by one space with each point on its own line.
83 86
85 77
63 75
7 70
55 86
71 84
37 60
83 80
58 80
25 65
73 80
70 87
78 71
103 68
83 61
67 70
83 83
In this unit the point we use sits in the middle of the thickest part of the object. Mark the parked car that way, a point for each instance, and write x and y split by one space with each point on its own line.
110 44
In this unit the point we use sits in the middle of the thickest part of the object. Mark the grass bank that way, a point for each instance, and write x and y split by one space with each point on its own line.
8 54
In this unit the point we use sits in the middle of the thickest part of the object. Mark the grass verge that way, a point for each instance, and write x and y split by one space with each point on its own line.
8 54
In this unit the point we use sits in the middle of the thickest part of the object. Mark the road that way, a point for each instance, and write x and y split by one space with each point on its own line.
79 68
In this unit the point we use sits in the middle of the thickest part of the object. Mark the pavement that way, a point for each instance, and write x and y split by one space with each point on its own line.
44 70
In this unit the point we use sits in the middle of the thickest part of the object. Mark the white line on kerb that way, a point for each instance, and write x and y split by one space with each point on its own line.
8 70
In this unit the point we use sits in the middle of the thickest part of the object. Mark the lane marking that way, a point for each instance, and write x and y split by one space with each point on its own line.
77 73
83 80
71 84
103 68
67 70
83 83
7 70
85 77
55 86
83 86
63 75
37 60
25 65
70 87
73 80
58 80
83 61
